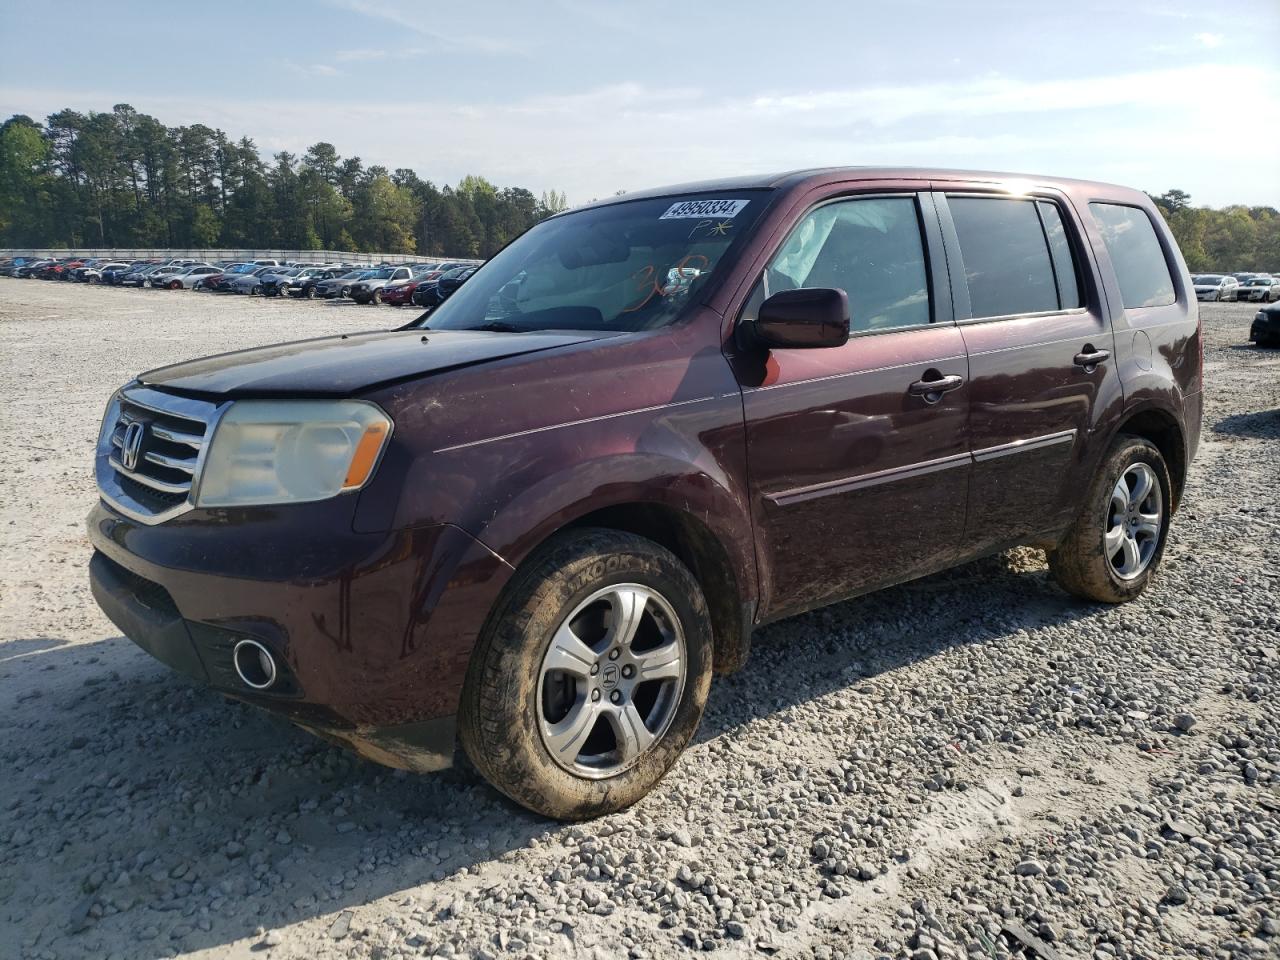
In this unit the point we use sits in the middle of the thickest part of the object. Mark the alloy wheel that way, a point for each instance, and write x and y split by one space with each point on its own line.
1134 519
611 680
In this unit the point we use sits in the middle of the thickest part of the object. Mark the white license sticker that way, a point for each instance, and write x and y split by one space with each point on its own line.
691 209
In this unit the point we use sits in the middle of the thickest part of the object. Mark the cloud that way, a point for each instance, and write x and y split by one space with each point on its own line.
1210 40
416 19
1141 128
313 69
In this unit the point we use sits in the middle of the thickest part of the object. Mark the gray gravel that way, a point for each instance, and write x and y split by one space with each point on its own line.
971 765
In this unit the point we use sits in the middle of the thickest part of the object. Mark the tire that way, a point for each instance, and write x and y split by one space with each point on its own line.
1082 563
310 293
511 686
255 290
175 284
346 292
377 298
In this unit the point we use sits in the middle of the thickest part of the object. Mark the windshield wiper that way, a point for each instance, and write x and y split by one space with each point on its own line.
498 326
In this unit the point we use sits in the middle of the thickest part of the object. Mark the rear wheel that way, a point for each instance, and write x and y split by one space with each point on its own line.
1113 549
590 677
377 297
255 290
309 293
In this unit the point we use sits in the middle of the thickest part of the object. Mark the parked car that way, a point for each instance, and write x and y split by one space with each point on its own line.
94 274
210 282
60 269
400 292
30 268
1216 286
287 281
185 277
369 289
1265 329
446 286
1265 289
250 283
534 523
140 276
307 290
425 293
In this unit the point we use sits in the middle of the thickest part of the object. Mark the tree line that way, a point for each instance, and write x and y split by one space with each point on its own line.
124 179
1229 240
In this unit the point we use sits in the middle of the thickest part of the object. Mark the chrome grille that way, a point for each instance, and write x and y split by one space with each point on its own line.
151 450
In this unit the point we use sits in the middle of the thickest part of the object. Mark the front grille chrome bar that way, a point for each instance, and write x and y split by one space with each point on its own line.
165 456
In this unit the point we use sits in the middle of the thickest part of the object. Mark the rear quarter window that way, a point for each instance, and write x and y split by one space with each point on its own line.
1136 255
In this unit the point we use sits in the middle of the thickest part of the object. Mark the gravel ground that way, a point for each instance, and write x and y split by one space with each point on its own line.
953 768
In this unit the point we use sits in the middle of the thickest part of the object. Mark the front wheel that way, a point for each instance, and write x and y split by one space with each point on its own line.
1113 549
590 678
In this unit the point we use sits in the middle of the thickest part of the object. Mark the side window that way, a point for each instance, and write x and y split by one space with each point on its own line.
1136 255
1006 256
1065 270
871 249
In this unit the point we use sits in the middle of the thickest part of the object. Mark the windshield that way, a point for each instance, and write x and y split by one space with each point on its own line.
1207 278
383 274
626 266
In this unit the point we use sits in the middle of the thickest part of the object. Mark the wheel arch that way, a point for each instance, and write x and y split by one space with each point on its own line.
699 549
1161 427
701 523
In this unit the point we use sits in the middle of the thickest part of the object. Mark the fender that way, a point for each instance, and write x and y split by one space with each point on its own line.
642 478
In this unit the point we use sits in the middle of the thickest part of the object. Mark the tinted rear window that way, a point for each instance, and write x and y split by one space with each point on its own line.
1136 255
1006 256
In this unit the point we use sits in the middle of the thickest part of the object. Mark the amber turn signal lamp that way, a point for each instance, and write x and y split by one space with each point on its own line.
366 456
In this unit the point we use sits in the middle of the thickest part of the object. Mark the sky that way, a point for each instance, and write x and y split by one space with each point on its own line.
595 96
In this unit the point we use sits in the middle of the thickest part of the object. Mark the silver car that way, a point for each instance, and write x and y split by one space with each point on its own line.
179 278
1216 286
340 286
251 283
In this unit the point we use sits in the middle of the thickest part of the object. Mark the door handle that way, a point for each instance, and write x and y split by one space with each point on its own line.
1090 357
932 390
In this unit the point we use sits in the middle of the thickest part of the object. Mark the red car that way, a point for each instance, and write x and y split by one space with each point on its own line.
532 523
400 294
61 269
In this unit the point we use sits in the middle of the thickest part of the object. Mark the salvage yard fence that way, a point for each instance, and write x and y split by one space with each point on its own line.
152 253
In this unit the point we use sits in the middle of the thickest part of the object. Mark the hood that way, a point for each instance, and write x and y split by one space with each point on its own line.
343 366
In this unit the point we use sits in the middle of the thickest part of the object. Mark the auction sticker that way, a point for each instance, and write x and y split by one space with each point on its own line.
689 209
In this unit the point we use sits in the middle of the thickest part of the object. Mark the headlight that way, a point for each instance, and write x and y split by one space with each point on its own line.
291 451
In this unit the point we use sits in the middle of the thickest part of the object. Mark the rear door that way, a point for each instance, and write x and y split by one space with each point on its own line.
859 478
1041 359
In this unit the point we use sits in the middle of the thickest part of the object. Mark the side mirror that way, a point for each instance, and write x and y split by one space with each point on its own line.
807 317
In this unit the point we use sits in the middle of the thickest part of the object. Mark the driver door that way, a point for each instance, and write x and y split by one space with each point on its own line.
859 476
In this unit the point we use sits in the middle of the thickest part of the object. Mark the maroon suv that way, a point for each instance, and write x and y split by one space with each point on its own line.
535 522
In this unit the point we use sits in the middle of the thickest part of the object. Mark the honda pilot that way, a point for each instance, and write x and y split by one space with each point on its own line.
532 524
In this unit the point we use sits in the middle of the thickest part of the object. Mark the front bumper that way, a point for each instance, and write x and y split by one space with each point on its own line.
372 632
1265 326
